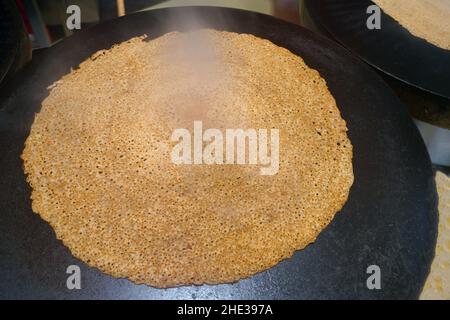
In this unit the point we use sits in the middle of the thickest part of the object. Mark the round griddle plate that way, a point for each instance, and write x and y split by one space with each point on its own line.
389 219
392 49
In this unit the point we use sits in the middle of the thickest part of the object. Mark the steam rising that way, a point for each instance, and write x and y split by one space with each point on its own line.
196 67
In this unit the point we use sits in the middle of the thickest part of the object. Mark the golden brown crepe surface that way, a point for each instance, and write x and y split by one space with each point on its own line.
437 286
98 159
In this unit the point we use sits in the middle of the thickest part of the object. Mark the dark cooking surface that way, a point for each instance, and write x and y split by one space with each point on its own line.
393 49
389 219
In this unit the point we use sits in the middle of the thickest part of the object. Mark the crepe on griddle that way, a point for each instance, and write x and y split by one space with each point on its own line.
98 159
426 19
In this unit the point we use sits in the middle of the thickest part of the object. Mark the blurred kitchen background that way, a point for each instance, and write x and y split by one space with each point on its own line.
46 19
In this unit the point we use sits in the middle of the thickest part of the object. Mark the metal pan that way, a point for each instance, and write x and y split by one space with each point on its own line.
389 219
392 49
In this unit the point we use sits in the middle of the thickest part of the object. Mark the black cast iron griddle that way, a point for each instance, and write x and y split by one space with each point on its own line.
389 219
392 49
